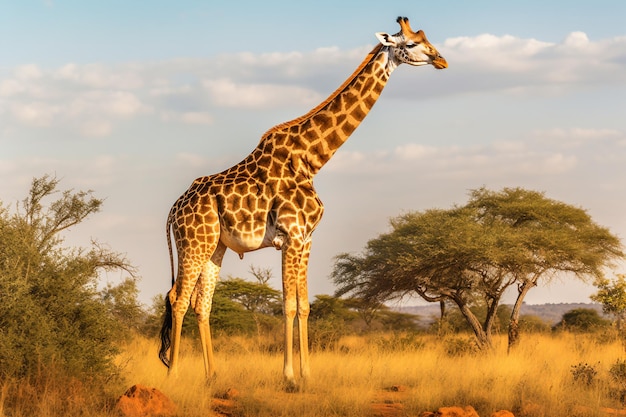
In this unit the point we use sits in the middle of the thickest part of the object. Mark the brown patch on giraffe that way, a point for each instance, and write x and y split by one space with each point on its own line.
358 112
334 140
347 128
369 84
369 101
323 121
264 161
336 107
310 135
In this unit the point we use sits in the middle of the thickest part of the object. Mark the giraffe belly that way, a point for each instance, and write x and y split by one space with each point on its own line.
247 242
242 242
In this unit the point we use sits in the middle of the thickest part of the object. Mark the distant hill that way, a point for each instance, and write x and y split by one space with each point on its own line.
550 313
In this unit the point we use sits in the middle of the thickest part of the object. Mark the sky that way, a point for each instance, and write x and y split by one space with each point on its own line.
134 100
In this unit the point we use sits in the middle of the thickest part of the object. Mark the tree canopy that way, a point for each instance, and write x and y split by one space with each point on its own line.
473 253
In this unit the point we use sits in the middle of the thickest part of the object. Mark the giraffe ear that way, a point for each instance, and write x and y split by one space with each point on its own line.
386 39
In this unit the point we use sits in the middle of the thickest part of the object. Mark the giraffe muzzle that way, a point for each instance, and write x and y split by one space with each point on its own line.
440 62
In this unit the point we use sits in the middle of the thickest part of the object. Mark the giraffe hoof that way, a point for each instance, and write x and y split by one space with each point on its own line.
210 379
291 386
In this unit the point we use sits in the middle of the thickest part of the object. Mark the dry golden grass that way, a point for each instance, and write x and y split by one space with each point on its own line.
346 381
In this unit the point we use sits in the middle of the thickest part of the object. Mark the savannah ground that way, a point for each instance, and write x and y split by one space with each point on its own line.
359 376
536 379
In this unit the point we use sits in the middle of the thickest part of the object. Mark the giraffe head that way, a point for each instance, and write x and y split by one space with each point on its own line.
411 47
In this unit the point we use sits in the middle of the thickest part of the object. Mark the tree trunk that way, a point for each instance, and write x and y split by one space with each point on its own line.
442 307
513 333
522 290
483 336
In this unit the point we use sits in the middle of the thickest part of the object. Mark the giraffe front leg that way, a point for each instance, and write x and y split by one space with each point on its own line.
304 309
289 308
295 299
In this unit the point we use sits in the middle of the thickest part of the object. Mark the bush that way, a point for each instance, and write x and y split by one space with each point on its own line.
324 334
407 341
460 347
52 314
618 376
584 373
582 320
533 324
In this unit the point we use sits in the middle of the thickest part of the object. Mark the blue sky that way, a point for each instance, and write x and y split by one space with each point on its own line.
55 32
136 99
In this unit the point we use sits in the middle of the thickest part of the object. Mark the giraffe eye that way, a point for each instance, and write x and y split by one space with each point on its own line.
411 45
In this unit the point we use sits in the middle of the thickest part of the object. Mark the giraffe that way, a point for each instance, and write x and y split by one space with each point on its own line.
268 199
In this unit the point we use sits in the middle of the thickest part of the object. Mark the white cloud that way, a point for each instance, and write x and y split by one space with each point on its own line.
576 40
575 137
225 92
39 99
522 158
507 63
414 151
122 103
96 128
103 103
580 133
35 113
192 160
100 76
10 87
192 118
198 118
28 72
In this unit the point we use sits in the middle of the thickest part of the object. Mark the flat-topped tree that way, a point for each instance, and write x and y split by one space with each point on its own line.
474 253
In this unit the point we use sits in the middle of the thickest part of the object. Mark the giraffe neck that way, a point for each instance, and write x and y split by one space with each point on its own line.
315 137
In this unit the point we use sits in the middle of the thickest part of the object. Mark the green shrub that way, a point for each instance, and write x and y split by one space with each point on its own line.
51 312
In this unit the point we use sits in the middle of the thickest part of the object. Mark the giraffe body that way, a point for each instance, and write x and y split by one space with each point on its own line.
268 199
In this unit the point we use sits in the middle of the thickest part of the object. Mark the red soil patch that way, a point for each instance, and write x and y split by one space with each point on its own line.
225 405
389 402
140 401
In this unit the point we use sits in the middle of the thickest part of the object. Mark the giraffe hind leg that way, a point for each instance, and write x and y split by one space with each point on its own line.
195 226
205 288
179 301
180 297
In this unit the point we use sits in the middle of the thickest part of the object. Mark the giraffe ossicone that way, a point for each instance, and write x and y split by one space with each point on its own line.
268 199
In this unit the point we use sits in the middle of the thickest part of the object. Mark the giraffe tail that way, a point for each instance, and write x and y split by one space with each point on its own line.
166 328
166 332
168 233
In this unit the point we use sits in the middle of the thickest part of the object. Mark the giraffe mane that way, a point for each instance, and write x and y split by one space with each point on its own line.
330 98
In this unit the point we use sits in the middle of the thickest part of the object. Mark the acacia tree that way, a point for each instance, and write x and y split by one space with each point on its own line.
474 253
552 237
